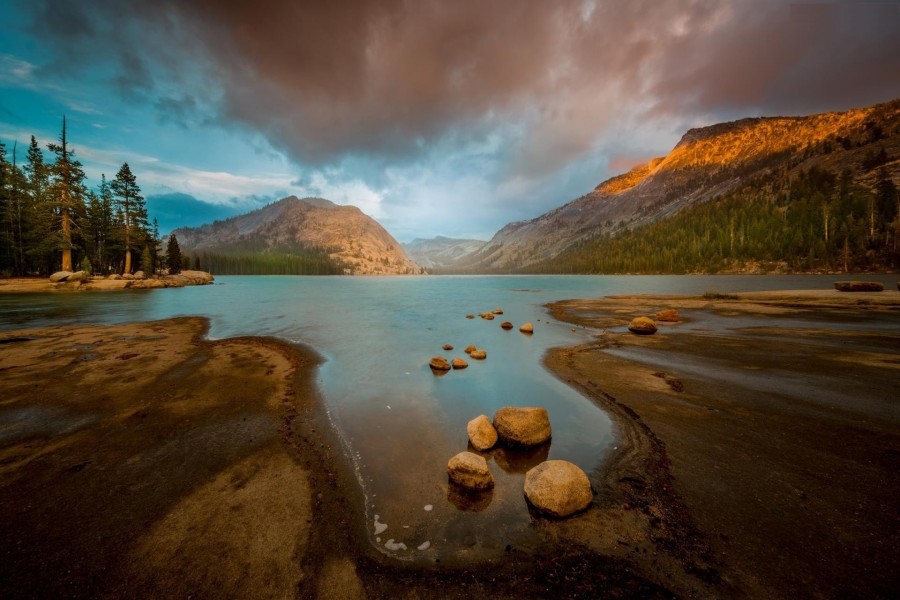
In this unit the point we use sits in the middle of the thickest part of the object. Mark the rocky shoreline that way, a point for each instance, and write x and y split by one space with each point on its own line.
81 282
228 478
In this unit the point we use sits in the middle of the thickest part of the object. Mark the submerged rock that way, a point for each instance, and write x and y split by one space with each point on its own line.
481 433
642 326
439 363
470 471
859 286
527 328
558 488
470 316
506 325
669 315
459 363
523 426
479 354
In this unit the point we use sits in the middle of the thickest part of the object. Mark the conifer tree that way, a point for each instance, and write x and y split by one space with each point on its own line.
38 229
147 265
134 211
67 193
174 255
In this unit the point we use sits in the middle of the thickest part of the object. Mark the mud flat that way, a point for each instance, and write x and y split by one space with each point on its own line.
773 417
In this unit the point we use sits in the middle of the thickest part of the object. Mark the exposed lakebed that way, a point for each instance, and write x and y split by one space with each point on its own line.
399 422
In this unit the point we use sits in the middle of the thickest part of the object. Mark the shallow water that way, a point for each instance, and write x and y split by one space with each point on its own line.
399 422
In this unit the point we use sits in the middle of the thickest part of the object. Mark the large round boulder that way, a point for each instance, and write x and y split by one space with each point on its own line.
527 328
481 432
439 363
470 471
479 354
642 326
60 276
459 363
523 426
558 488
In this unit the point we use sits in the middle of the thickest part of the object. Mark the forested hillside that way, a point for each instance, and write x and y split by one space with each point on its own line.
50 219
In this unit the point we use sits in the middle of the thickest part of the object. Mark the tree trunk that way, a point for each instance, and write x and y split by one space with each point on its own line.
67 241
127 261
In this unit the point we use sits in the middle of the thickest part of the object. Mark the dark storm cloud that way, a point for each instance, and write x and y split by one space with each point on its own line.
323 79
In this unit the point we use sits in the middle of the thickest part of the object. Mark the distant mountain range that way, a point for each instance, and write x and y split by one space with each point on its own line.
767 154
441 252
294 236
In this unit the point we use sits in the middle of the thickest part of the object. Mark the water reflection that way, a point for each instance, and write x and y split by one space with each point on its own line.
519 460
469 500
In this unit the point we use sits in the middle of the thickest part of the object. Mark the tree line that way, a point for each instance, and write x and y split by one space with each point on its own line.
810 220
51 220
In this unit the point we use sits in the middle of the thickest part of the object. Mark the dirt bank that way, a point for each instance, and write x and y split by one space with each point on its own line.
777 414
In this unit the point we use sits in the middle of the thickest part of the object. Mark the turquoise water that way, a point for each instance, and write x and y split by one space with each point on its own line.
400 423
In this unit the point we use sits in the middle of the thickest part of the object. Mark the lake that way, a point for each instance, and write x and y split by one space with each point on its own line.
399 422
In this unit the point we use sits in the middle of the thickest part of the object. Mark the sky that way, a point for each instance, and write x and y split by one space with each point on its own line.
434 117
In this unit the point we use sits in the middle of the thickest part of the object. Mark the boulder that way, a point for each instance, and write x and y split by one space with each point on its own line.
669 315
470 348
642 326
439 363
478 354
498 311
470 316
114 277
506 325
146 284
470 471
78 276
527 328
859 286
522 426
60 276
558 488
481 432
127 276
448 347
459 363
487 316
139 275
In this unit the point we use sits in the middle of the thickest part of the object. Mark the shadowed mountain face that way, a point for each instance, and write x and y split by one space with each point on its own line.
349 236
706 163
440 252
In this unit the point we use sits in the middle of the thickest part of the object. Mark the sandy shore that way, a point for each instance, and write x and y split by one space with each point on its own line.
142 460
779 436
41 285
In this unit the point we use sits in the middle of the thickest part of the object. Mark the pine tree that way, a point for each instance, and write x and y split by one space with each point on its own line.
38 227
134 211
147 265
67 192
6 239
174 255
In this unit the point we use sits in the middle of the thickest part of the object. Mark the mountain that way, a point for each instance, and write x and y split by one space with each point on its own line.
440 252
708 163
324 237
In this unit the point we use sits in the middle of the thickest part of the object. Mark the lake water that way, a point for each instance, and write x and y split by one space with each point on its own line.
400 423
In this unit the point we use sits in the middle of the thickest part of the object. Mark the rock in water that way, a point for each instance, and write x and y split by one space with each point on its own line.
470 471
481 433
487 316
459 363
506 325
522 426
470 348
558 488
527 328
448 347
642 326
478 354
439 363
859 286
670 315
498 311
60 276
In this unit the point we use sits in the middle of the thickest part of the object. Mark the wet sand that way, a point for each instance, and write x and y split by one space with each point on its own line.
142 460
775 420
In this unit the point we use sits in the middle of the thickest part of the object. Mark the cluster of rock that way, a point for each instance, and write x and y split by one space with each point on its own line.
138 280
554 487
647 326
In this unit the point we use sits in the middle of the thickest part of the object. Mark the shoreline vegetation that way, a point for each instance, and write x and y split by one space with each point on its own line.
25 285
148 459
